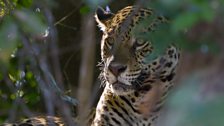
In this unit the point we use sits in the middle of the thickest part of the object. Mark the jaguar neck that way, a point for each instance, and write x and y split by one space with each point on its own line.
124 109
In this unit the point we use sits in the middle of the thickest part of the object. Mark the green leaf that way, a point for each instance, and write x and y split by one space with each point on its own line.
207 13
198 12
9 37
84 10
24 3
32 98
184 21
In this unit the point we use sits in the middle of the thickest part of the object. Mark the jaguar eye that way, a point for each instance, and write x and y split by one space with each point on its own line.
140 44
109 43
107 47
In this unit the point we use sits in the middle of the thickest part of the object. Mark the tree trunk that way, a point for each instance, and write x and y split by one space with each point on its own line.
87 66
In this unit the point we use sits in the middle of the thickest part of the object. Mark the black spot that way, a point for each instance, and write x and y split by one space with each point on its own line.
28 121
160 18
168 78
105 108
163 72
163 80
154 63
108 101
129 104
141 53
175 56
145 119
132 99
120 115
105 117
136 94
116 121
169 64
125 111
170 52
149 12
145 88
149 29
153 70
142 13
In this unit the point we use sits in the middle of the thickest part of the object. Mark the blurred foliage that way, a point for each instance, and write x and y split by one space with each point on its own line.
184 17
8 5
19 25
192 105
24 49
84 10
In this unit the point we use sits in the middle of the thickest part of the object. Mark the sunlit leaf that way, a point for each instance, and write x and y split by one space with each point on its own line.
13 96
2 12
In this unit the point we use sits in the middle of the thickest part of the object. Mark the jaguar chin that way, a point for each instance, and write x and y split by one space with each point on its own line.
120 88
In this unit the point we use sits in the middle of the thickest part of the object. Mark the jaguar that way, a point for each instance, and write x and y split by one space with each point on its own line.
134 89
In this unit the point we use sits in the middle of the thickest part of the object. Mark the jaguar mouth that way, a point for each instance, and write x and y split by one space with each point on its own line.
119 86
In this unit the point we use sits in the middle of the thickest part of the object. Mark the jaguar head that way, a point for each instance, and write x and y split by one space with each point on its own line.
121 53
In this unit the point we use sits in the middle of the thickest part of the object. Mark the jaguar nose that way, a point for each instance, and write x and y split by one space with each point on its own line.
116 69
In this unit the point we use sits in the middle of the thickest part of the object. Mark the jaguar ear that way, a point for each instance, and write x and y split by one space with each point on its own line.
102 16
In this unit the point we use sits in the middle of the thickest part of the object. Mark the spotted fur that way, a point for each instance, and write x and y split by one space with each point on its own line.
39 121
134 90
